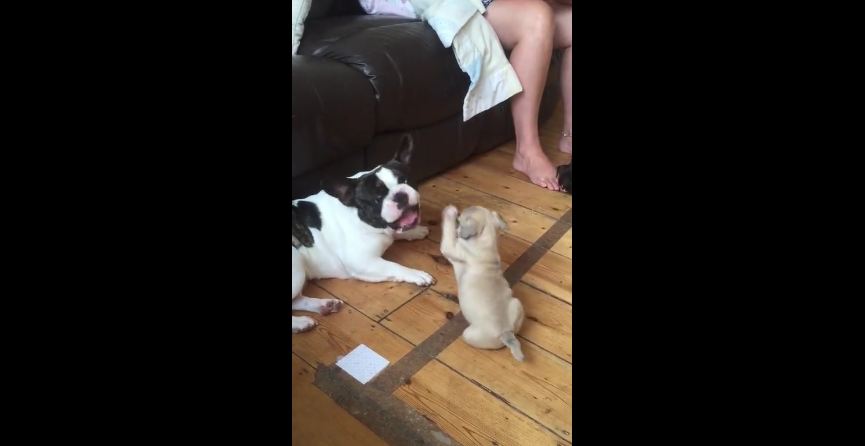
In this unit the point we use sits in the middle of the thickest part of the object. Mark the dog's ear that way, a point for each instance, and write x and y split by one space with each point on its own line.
468 228
406 147
500 222
341 188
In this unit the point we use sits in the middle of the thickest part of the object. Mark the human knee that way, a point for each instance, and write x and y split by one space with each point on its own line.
539 17
563 25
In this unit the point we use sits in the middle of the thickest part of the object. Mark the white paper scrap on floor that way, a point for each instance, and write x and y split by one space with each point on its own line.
363 364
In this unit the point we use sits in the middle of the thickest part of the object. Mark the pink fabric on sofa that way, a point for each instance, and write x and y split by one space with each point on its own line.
394 7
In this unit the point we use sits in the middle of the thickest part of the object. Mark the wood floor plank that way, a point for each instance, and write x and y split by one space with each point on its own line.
377 300
547 322
522 223
421 317
489 178
470 415
540 387
339 333
552 274
565 245
425 255
317 420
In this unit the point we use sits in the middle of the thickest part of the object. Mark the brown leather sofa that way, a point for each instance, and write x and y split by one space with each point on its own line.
359 82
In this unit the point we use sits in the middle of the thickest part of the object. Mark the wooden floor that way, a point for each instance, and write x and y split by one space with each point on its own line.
477 397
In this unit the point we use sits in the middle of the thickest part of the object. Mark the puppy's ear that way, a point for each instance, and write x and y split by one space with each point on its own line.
501 224
341 188
406 147
468 228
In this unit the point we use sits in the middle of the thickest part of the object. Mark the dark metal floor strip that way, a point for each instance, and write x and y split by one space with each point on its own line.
390 418
540 247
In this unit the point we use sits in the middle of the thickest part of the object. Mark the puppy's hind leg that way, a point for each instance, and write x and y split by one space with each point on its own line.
515 314
481 339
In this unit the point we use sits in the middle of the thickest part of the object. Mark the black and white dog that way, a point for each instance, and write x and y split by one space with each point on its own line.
342 232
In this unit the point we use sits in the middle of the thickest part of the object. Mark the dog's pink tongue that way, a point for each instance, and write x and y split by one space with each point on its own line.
408 219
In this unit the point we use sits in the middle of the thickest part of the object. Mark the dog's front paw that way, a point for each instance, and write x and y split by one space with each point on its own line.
302 323
330 306
450 211
421 278
421 232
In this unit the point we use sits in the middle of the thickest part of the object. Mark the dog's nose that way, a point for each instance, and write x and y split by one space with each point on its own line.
401 199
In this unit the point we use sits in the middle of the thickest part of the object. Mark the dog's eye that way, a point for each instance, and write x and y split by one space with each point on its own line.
401 180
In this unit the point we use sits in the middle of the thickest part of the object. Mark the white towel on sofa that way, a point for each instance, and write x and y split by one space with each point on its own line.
460 23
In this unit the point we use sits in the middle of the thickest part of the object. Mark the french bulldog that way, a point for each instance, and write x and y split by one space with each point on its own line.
342 232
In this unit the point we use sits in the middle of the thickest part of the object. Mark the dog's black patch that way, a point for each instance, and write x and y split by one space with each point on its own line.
564 174
367 192
304 215
369 195
400 171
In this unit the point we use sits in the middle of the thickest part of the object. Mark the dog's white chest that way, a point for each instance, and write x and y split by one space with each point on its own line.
344 245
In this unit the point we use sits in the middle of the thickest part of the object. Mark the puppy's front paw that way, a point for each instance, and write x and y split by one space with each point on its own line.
302 323
330 306
421 278
450 211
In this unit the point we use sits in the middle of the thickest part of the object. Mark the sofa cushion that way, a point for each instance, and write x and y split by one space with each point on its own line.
332 112
325 31
417 81
320 8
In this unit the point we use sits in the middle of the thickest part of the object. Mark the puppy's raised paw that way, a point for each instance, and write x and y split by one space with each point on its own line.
450 211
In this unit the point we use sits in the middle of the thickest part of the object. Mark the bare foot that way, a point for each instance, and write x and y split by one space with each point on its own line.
565 144
538 168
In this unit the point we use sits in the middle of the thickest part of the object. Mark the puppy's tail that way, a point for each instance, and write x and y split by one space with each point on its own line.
511 341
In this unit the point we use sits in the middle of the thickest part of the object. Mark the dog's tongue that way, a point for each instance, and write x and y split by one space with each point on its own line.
408 219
